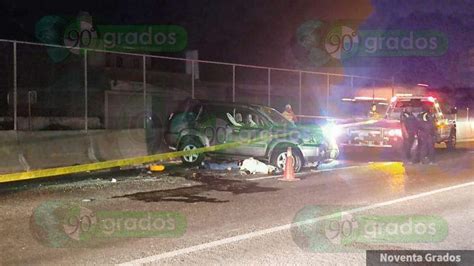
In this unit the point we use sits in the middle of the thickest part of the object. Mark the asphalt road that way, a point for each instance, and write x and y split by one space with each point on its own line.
233 219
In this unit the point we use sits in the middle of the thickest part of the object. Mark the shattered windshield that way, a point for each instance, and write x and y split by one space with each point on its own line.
276 117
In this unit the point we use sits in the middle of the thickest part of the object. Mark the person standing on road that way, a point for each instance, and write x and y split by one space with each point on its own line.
373 112
289 114
427 134
409 131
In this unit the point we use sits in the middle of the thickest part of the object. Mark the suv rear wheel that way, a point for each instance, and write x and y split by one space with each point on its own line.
188 144
278 159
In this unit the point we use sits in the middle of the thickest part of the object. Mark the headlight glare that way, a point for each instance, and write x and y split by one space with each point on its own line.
332 130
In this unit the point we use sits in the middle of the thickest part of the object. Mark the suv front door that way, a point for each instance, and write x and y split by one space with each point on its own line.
254 133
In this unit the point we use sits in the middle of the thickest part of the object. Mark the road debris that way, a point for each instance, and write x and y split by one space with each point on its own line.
252 166
87 200
157 167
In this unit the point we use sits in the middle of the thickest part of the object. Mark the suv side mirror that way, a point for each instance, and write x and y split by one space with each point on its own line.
453 111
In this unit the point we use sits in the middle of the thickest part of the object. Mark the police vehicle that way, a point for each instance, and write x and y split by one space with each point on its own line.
387 133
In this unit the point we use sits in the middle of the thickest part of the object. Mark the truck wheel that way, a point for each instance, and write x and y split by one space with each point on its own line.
398 150
451 142
278 159
188 144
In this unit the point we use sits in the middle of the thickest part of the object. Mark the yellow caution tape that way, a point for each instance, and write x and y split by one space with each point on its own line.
122 162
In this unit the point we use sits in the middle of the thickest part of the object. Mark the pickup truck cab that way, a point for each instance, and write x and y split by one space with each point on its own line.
446 128
386 132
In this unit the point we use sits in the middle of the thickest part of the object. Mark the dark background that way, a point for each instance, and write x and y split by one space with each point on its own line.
262 32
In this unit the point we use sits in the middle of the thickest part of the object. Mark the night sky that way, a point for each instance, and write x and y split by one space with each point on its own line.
263 32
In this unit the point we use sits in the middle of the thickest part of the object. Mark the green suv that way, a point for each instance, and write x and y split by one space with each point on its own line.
239 131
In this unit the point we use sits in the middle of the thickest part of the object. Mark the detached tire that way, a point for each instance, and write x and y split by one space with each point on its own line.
187 144
451 142
278 159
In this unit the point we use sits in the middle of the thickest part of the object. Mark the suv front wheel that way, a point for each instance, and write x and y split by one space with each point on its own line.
193 159
278 159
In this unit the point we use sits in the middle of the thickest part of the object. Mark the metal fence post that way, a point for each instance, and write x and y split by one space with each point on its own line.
269 86
192 79
233 83
300 92
328 85
144 93
15 88
86 126
467 114
393 86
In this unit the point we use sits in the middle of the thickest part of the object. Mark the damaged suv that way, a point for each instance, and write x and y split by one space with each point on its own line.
237 131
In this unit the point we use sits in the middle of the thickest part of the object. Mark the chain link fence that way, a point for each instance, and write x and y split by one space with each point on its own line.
50 87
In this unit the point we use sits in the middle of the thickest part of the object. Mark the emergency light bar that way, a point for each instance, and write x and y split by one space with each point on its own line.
369 98
363 98
347 100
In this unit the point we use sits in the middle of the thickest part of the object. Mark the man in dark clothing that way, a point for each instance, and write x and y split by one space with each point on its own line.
409 131
427 134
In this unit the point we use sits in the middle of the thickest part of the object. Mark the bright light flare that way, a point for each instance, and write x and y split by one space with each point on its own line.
395 132
332 130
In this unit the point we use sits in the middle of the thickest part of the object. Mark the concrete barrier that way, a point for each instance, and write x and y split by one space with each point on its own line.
46 149
31 150
118 144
